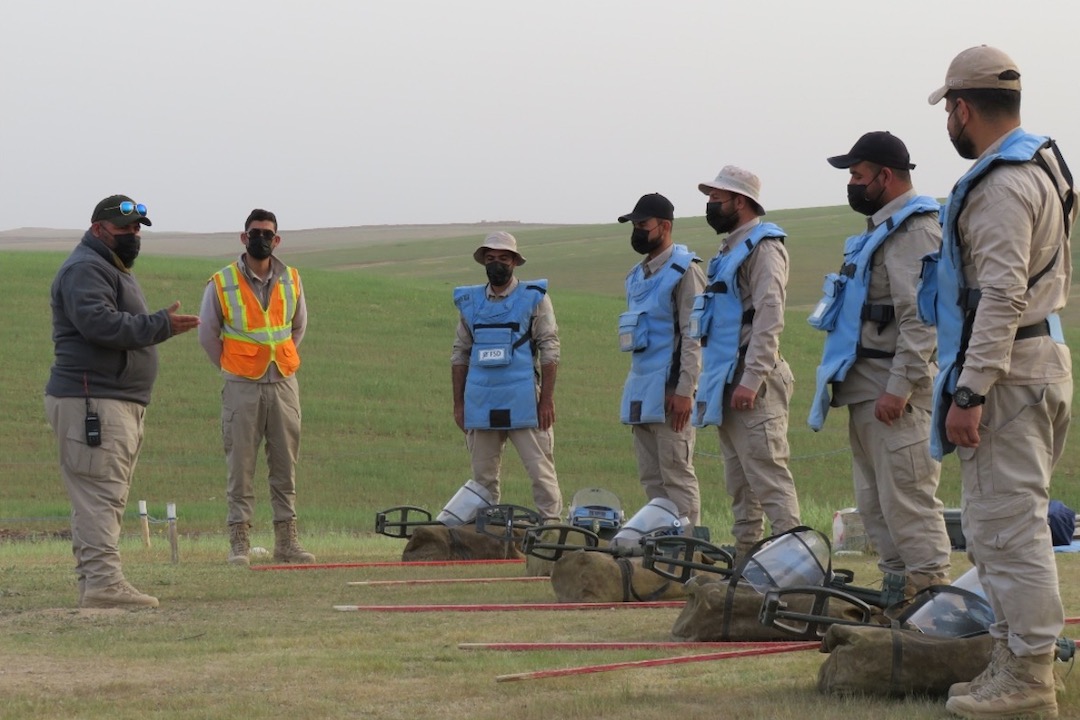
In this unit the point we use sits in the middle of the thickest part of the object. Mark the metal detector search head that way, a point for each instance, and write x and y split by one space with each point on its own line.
500 521
664 554
397 522
549 542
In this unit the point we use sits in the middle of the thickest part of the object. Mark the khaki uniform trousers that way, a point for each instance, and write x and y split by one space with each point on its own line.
535 447
1006 496
97 479
666 466
896 482
755 448
252 412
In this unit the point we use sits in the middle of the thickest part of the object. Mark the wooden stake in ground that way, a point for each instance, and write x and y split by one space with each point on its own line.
170 511
144 520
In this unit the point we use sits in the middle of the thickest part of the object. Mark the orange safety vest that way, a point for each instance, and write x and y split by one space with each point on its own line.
252 337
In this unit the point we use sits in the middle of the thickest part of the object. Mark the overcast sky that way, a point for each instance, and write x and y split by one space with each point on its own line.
354 112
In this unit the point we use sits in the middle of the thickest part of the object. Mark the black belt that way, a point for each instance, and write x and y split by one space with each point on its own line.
1027 332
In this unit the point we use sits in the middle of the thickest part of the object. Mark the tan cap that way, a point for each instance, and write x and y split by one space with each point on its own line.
981 67
735 179
498 241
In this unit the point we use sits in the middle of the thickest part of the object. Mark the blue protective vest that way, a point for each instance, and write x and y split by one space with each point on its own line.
948 302
500 388
649 329
717 320
843 310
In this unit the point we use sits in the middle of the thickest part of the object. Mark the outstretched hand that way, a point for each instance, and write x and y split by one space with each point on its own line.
181 323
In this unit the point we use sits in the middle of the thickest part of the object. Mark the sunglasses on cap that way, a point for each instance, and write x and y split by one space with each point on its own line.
257 234
127 208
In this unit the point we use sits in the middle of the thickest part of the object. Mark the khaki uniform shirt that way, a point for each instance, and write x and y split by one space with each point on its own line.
1011 229
894 278
762 280
545 331
691 284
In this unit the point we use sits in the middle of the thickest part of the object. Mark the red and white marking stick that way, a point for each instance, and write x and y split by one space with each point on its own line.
497 607
533 646
417 563
441 581
585 669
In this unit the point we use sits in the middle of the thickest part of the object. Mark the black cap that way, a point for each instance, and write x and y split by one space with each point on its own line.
653 205
112 209
879 147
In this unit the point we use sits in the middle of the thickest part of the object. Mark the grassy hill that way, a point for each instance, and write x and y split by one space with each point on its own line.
375 381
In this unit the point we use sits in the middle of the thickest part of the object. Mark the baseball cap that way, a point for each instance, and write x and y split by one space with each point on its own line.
880 147
653 205
981 67
735 179
112 209
498 241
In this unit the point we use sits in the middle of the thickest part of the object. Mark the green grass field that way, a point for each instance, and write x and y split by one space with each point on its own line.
378 432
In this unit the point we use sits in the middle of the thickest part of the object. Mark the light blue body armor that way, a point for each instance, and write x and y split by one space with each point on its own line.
500 388
649 330
946 301
843 308
717 320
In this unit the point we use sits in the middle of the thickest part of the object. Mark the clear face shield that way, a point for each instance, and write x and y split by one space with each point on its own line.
958 610
597 510
466 503
658 517
797 559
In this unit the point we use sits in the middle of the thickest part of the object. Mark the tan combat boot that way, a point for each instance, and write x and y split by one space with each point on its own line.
998 651
915 582
239 544
286 547
118 595
1021 687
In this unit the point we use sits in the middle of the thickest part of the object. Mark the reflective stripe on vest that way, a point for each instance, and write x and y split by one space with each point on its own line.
500 387
253 337
954 307
842 343
720 351
655 366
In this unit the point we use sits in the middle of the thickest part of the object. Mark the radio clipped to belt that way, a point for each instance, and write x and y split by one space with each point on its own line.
633 331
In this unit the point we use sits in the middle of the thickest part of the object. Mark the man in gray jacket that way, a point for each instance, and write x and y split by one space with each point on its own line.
98 389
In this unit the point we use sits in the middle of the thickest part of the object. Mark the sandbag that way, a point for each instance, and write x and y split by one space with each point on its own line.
898 663
436 542
705 617
584 576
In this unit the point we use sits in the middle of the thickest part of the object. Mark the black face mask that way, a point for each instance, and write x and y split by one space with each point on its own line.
718 220
964 147
860 202
127 248
260 248
499 274
640 241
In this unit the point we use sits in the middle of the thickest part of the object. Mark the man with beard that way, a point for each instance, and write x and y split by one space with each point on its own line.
665 362
745 386
1003 396
98 389
253 318
879 361
503 368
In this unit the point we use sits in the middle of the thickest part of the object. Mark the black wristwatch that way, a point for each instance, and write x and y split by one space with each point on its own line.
964 398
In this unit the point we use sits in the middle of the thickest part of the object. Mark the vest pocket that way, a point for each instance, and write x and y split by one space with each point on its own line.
492 347
633 332
927 292
701 316
828 308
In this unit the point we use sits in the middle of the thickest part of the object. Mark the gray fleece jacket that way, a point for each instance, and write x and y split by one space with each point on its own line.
103 333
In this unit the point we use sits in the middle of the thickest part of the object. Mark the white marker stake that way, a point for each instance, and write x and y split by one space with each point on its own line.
170 511
144 520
